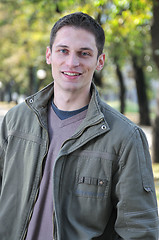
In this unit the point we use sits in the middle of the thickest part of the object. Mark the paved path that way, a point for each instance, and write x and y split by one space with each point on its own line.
3 111
148 132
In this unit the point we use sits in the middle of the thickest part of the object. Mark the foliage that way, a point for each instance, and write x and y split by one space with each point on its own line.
25 26
23 40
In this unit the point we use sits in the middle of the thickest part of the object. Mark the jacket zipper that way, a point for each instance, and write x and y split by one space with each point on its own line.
82 131
25 233
78 135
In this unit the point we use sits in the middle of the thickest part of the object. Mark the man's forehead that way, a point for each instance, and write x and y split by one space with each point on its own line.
72 36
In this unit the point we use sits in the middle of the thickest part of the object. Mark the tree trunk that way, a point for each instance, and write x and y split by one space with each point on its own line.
155 138
155 32
32 80
1 95
141 93
155 48
8 90
122 88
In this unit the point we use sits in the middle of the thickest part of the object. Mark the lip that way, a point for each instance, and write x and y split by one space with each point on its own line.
71 74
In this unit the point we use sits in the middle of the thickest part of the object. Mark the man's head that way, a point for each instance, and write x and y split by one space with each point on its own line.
84 21
75 53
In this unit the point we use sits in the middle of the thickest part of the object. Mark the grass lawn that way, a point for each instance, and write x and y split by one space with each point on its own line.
7 105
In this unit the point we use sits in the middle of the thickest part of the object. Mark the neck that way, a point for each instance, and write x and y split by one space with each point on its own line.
68 101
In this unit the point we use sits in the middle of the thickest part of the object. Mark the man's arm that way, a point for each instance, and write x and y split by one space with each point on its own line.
137 216
3 144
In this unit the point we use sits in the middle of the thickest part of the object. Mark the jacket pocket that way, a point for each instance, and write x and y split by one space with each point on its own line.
91 187
93 174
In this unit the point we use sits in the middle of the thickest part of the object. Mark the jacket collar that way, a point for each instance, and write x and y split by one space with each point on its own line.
39 101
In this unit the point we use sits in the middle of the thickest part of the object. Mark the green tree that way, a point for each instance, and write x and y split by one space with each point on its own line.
23 39
25 27
128 40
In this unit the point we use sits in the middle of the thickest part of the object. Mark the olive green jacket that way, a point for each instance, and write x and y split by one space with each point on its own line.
103 181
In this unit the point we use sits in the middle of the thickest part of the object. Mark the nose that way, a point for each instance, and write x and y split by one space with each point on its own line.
73 60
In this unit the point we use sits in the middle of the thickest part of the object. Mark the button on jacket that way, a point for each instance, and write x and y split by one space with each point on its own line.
103 181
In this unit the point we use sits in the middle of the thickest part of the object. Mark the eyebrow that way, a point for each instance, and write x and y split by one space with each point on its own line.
60 45
87 48
83 48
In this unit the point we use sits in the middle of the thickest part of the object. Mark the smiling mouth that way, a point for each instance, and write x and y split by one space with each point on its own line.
71 74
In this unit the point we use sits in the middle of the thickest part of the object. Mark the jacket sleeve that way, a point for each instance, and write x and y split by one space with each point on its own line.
3 145
134 191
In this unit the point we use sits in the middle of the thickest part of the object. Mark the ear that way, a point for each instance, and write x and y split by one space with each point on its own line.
100 63
48 55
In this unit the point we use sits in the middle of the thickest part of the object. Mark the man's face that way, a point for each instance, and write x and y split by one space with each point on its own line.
73 59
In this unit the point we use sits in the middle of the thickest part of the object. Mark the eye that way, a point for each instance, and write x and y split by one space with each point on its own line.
63 51
85 54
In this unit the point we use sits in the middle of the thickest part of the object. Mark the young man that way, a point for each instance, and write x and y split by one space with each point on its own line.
73 168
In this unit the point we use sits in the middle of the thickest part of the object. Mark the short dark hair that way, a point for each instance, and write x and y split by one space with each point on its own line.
80 20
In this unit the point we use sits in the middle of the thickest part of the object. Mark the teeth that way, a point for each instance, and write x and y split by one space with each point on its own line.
71 74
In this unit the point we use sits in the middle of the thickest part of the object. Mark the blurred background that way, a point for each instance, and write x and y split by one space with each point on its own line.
130 79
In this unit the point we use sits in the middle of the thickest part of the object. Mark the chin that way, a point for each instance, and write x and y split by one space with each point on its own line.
71 87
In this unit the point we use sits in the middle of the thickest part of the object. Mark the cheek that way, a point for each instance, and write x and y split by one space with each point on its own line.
54 71
92 67
55 65
57 60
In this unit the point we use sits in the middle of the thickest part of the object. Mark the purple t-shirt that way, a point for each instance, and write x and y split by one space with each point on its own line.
41 223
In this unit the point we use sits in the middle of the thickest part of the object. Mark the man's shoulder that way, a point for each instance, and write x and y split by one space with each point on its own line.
18 109
117 120
18 113
122 131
